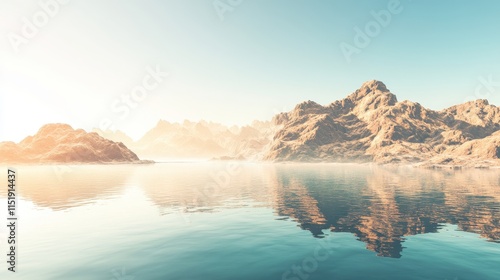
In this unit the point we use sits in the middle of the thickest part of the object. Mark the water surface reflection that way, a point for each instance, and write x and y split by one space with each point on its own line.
381 206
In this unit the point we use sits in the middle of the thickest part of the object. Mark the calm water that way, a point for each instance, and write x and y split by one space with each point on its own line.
255 221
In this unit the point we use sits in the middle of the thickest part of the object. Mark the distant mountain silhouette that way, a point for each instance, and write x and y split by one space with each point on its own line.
199 140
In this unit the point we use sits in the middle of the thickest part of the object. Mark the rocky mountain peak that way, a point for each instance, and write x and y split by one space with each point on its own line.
373 90
478 112
374 85
481 102
471 105
308 107
55 129
371 125
371 96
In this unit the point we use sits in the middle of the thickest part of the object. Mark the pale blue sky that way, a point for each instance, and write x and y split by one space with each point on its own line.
264 57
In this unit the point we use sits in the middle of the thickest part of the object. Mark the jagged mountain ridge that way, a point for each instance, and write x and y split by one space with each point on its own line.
372 125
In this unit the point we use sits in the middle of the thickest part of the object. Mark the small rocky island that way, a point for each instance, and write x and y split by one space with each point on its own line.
60 143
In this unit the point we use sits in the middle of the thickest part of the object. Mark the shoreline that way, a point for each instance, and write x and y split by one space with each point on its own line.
418 165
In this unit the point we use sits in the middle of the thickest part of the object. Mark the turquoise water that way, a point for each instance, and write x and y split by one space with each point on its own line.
255 221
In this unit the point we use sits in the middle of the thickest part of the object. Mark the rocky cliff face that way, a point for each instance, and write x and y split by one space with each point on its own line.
60 143
371 125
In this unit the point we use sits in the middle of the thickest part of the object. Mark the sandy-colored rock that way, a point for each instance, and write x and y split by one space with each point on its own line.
60 143
371 125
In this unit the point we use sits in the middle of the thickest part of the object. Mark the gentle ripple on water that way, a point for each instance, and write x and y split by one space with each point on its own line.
254 221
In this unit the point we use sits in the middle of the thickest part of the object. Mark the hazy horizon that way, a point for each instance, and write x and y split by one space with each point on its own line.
248 63
138 136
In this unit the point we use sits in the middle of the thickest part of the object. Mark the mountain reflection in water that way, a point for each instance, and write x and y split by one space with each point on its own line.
379 205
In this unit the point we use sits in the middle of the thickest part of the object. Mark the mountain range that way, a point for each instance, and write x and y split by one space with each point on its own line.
369 125
198 140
